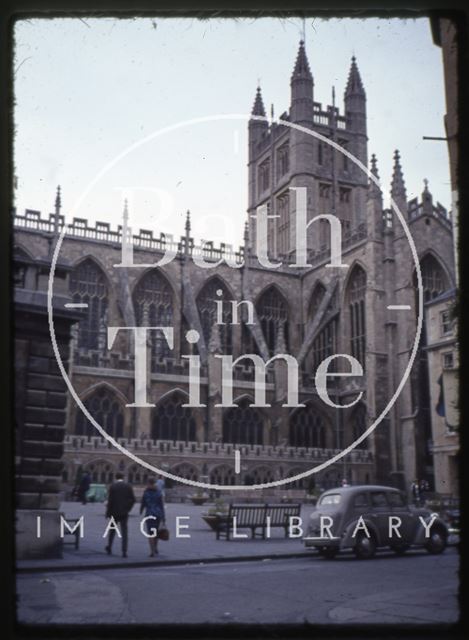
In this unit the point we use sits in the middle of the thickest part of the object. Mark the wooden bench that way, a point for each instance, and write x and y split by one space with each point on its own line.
71 523
256 516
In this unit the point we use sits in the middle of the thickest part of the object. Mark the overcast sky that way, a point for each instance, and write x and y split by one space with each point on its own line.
89 90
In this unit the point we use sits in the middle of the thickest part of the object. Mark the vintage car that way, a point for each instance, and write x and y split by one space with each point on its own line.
366 517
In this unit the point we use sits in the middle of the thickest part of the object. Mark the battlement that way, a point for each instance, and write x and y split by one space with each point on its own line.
162 448
415 209
330 117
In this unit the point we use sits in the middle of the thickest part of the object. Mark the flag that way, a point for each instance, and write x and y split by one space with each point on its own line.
440 407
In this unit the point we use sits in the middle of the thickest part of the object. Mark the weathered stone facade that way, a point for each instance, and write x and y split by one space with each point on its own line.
310 313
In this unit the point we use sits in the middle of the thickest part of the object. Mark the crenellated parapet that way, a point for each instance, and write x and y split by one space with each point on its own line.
204 450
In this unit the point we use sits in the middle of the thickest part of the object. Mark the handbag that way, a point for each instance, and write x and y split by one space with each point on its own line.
163 532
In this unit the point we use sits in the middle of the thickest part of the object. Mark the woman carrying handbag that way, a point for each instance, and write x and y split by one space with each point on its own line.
153 505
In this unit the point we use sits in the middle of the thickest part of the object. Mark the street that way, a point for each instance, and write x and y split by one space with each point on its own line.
415 589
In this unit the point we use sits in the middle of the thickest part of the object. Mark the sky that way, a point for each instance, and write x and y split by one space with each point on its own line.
139 108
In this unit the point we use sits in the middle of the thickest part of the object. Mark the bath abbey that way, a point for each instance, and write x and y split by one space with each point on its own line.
311 311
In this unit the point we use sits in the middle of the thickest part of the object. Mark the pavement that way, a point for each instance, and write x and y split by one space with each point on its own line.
201 547
237 581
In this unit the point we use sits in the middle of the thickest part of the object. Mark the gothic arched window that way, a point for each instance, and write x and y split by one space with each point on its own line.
207 307
100 471
223 475
185 470
434 280
356 305
243 424
307 428
272 313
106 410
283 160
88 286
172 421
153 302
261 475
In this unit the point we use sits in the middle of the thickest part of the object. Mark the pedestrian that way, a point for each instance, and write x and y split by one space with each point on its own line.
161 484
345 482
83 487
153 505
415 490
120 502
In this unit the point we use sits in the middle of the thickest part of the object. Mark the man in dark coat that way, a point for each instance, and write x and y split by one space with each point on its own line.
120 502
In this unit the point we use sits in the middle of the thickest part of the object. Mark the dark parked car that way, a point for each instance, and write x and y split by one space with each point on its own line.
364 518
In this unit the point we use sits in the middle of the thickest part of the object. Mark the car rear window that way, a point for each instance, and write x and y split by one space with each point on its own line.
378 499
396 499
332 498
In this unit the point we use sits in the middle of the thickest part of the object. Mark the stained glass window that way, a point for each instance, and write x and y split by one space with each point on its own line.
106 410
153 302
172 421
272 314
88 286
307 428
243 424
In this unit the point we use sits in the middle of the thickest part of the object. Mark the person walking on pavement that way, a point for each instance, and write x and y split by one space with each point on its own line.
160 484
120 502
414 488
83 487
153 505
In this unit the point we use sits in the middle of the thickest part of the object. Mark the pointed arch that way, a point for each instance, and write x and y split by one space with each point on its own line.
172 421
223 474
206 301
153 299
185 470
261 475
243 424
21 259
272 313
89 285
318 293
307 427
105 407
111 388
435 276
100 470
21 253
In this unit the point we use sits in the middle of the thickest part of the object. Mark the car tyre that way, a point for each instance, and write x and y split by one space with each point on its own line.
328 552
365 548
436 542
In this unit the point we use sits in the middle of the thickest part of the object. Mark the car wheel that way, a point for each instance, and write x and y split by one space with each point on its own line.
400 549
365 547
436 542
328 552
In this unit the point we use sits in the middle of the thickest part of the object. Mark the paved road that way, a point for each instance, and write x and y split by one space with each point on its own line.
417 588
